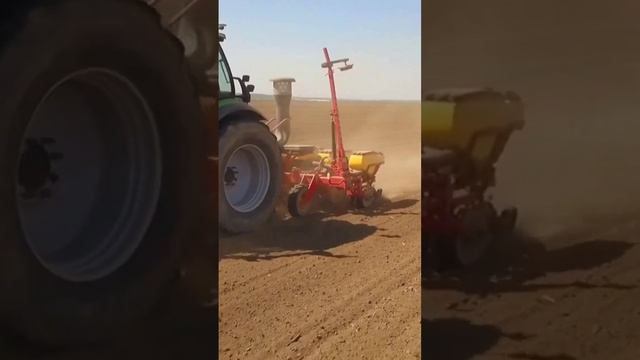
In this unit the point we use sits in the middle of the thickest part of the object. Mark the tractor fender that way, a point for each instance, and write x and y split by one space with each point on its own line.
238 111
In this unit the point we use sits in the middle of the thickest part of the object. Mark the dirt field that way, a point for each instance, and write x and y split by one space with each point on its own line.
570 289
333 287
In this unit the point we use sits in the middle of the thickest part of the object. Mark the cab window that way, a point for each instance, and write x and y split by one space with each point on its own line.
225 82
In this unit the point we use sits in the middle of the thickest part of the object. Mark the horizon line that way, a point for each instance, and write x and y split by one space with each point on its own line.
340 99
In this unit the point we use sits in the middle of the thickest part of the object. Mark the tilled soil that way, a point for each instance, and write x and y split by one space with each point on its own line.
333 286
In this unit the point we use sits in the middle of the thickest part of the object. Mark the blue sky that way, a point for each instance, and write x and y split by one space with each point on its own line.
284 38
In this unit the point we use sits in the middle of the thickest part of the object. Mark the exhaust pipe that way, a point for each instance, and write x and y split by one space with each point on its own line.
281 127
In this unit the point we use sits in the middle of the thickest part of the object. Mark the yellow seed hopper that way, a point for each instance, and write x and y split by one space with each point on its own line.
473 122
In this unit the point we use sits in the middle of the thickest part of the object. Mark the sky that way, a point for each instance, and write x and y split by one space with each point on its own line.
284 38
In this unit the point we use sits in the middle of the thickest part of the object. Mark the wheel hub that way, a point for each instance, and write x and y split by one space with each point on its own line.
231 176
36 175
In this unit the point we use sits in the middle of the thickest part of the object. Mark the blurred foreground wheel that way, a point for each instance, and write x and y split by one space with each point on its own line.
102 169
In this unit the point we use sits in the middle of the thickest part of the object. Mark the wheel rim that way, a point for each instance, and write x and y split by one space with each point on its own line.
89 175
247 178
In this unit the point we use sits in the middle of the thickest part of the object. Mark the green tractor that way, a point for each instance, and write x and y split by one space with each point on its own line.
250 162
107 184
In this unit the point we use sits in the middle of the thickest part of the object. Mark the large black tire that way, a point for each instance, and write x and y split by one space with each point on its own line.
234 135
124 37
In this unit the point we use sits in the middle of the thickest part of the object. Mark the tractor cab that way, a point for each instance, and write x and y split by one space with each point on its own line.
226 81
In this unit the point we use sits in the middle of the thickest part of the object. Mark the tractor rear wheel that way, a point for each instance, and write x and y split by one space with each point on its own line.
102 169
250 175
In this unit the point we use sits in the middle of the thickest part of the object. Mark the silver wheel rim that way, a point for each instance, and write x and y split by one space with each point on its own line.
89 175
247 178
